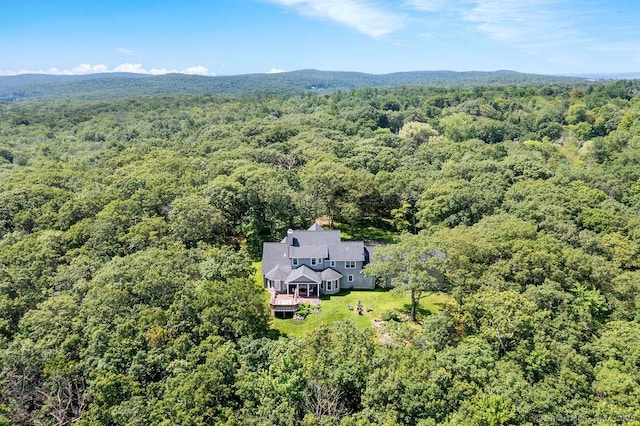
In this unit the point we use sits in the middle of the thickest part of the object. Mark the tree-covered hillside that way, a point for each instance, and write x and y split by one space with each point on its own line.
121 85
128 229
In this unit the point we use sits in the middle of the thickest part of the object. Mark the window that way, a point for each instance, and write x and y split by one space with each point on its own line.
350 278
350 264
313 261
329 285
332 263
294 261
319 261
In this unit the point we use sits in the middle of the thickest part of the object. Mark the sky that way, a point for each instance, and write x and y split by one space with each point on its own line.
229 37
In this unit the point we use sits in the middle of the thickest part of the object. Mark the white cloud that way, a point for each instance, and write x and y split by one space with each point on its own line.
427 5
83 69
134 68
630 47
525 23
275 71
626 49
539 27
361 15
52 71
125 51
160 71
196 70
89 69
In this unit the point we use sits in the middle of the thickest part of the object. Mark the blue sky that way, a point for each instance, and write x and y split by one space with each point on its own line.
225 37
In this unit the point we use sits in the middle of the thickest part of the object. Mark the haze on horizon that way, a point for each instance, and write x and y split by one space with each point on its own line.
375 36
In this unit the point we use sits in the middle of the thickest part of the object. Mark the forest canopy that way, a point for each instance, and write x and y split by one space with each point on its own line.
128 229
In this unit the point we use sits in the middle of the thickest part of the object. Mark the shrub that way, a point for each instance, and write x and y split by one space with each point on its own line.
391 316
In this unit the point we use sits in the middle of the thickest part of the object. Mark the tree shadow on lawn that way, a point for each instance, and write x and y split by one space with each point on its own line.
273 334
347 292
421 312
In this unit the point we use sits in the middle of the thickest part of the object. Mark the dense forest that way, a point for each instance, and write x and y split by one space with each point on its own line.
129 228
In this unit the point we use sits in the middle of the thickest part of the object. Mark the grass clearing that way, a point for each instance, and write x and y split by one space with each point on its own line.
257 276
336 308
376 232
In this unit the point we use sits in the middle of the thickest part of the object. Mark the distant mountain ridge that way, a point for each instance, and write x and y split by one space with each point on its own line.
608 76
118 85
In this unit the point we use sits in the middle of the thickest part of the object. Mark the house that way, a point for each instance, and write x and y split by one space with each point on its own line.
306 264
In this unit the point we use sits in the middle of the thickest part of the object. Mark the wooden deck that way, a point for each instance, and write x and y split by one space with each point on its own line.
284 303
290 303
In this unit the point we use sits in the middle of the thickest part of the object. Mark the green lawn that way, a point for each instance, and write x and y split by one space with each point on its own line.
257 276
367 233
373 230
336 308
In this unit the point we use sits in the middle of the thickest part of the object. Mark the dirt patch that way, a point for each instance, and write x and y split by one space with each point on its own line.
385 339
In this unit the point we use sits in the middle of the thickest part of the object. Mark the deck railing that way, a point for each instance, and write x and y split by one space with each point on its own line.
284 302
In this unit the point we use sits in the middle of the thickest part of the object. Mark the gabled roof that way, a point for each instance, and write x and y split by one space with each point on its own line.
316 242
347 250
303 274
315 227
277 273
274 254
330 275
312 238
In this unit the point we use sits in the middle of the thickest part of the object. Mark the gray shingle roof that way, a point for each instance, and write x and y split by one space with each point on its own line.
315 227
274 254
347 250
313 238
278 273
307 252
312 243
303 274
330 275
